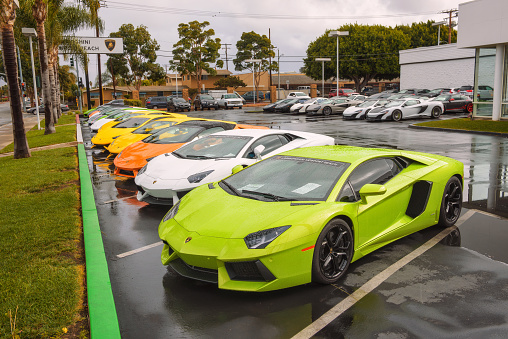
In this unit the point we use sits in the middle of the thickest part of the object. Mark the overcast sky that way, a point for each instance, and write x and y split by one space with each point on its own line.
293 23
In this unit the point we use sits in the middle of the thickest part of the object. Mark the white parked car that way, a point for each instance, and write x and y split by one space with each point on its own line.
297 95
408 108
230 100
360 111
168 177
301 108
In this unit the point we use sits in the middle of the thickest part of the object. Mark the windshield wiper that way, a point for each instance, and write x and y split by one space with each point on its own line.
178 155
234 190
191 156
268 195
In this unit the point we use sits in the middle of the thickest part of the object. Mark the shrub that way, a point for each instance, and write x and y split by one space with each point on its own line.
133 102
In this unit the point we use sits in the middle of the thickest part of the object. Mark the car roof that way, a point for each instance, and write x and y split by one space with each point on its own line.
208 124
260 132
353 154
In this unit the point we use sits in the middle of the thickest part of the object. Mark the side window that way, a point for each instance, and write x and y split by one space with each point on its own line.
378 171
271 143
412 102
457 97
210 131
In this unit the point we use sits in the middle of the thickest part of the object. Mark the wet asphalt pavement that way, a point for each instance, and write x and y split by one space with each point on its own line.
458 288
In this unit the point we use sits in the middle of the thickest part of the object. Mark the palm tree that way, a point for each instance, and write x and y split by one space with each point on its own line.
40 11
7 18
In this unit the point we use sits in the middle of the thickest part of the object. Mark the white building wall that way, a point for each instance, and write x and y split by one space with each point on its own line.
436 66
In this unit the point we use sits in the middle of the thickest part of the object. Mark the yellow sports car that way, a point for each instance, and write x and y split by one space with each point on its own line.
108 133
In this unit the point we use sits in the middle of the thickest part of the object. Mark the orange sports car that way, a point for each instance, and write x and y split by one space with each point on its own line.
136 155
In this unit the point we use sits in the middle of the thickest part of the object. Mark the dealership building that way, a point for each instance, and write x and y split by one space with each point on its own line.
479 58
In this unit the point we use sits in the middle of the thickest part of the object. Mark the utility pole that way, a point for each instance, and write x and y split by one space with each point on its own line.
226 48
454 13
270 57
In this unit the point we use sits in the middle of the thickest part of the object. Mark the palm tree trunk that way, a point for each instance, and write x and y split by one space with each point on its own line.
53 86
21 149
56 86
39 11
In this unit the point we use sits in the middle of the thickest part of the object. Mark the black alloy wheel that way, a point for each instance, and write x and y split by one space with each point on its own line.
451 204
333 252
397 115
436 112
327 110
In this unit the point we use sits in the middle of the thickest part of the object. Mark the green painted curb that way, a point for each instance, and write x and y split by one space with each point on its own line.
101 305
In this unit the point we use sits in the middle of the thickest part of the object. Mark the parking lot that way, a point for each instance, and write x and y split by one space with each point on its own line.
435 283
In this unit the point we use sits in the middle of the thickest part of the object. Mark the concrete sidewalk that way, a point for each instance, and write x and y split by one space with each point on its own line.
6 135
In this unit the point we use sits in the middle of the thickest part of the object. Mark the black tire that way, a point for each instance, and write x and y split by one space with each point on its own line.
333 252
436 112
397 115
155 107
451 204
189 109
364 116
327 110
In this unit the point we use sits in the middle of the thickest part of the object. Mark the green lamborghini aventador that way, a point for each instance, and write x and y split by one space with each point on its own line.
304 215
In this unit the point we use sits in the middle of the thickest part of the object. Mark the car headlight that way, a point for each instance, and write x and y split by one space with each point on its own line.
359 111
383 112
261 239
172 212
143 169
195 178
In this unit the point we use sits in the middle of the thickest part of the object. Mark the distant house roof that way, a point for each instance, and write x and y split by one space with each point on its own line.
296 78
141 89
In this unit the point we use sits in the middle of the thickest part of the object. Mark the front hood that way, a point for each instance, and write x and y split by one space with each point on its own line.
125 140
169 167
135 155
105 136
215 213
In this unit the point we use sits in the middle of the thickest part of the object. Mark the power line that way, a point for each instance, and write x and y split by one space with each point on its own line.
218 14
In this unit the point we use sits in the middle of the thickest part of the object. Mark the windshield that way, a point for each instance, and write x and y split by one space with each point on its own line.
395 103
287 178
179 100
206 97
126 116
339 100
367 103
153 126
230 96
213 146
442 98
173 134
345 90
132 123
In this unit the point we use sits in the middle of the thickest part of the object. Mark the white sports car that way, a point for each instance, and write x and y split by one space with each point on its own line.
360 111
407 108
301 108
168 177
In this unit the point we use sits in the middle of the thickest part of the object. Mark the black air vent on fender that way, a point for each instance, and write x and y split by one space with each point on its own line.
419 198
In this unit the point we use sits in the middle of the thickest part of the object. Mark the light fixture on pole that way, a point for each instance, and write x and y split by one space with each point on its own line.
323 73
176 61
31 32
254 61
438 24
337 34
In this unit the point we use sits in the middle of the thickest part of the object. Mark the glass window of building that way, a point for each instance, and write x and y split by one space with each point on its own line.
484 81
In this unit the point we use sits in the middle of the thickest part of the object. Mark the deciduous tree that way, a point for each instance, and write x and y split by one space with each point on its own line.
231 81
140 53
254 46
196 50
369 52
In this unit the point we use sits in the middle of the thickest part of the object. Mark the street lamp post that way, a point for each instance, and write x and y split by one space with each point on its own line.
254 61
323 73
337 34
438 24
278 71
176 61
31 32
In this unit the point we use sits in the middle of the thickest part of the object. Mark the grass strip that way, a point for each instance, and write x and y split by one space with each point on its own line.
36 138
468 125
41 270
101 305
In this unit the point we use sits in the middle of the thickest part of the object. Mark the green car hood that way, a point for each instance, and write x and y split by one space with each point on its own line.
221 215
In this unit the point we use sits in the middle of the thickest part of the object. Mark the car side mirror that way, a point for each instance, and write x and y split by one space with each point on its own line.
237 169
371 189
258 150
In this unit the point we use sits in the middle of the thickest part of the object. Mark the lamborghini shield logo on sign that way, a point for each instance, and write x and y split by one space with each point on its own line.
110 44
188 239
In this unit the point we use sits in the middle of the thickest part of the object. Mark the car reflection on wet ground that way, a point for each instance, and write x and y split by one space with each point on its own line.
457 288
